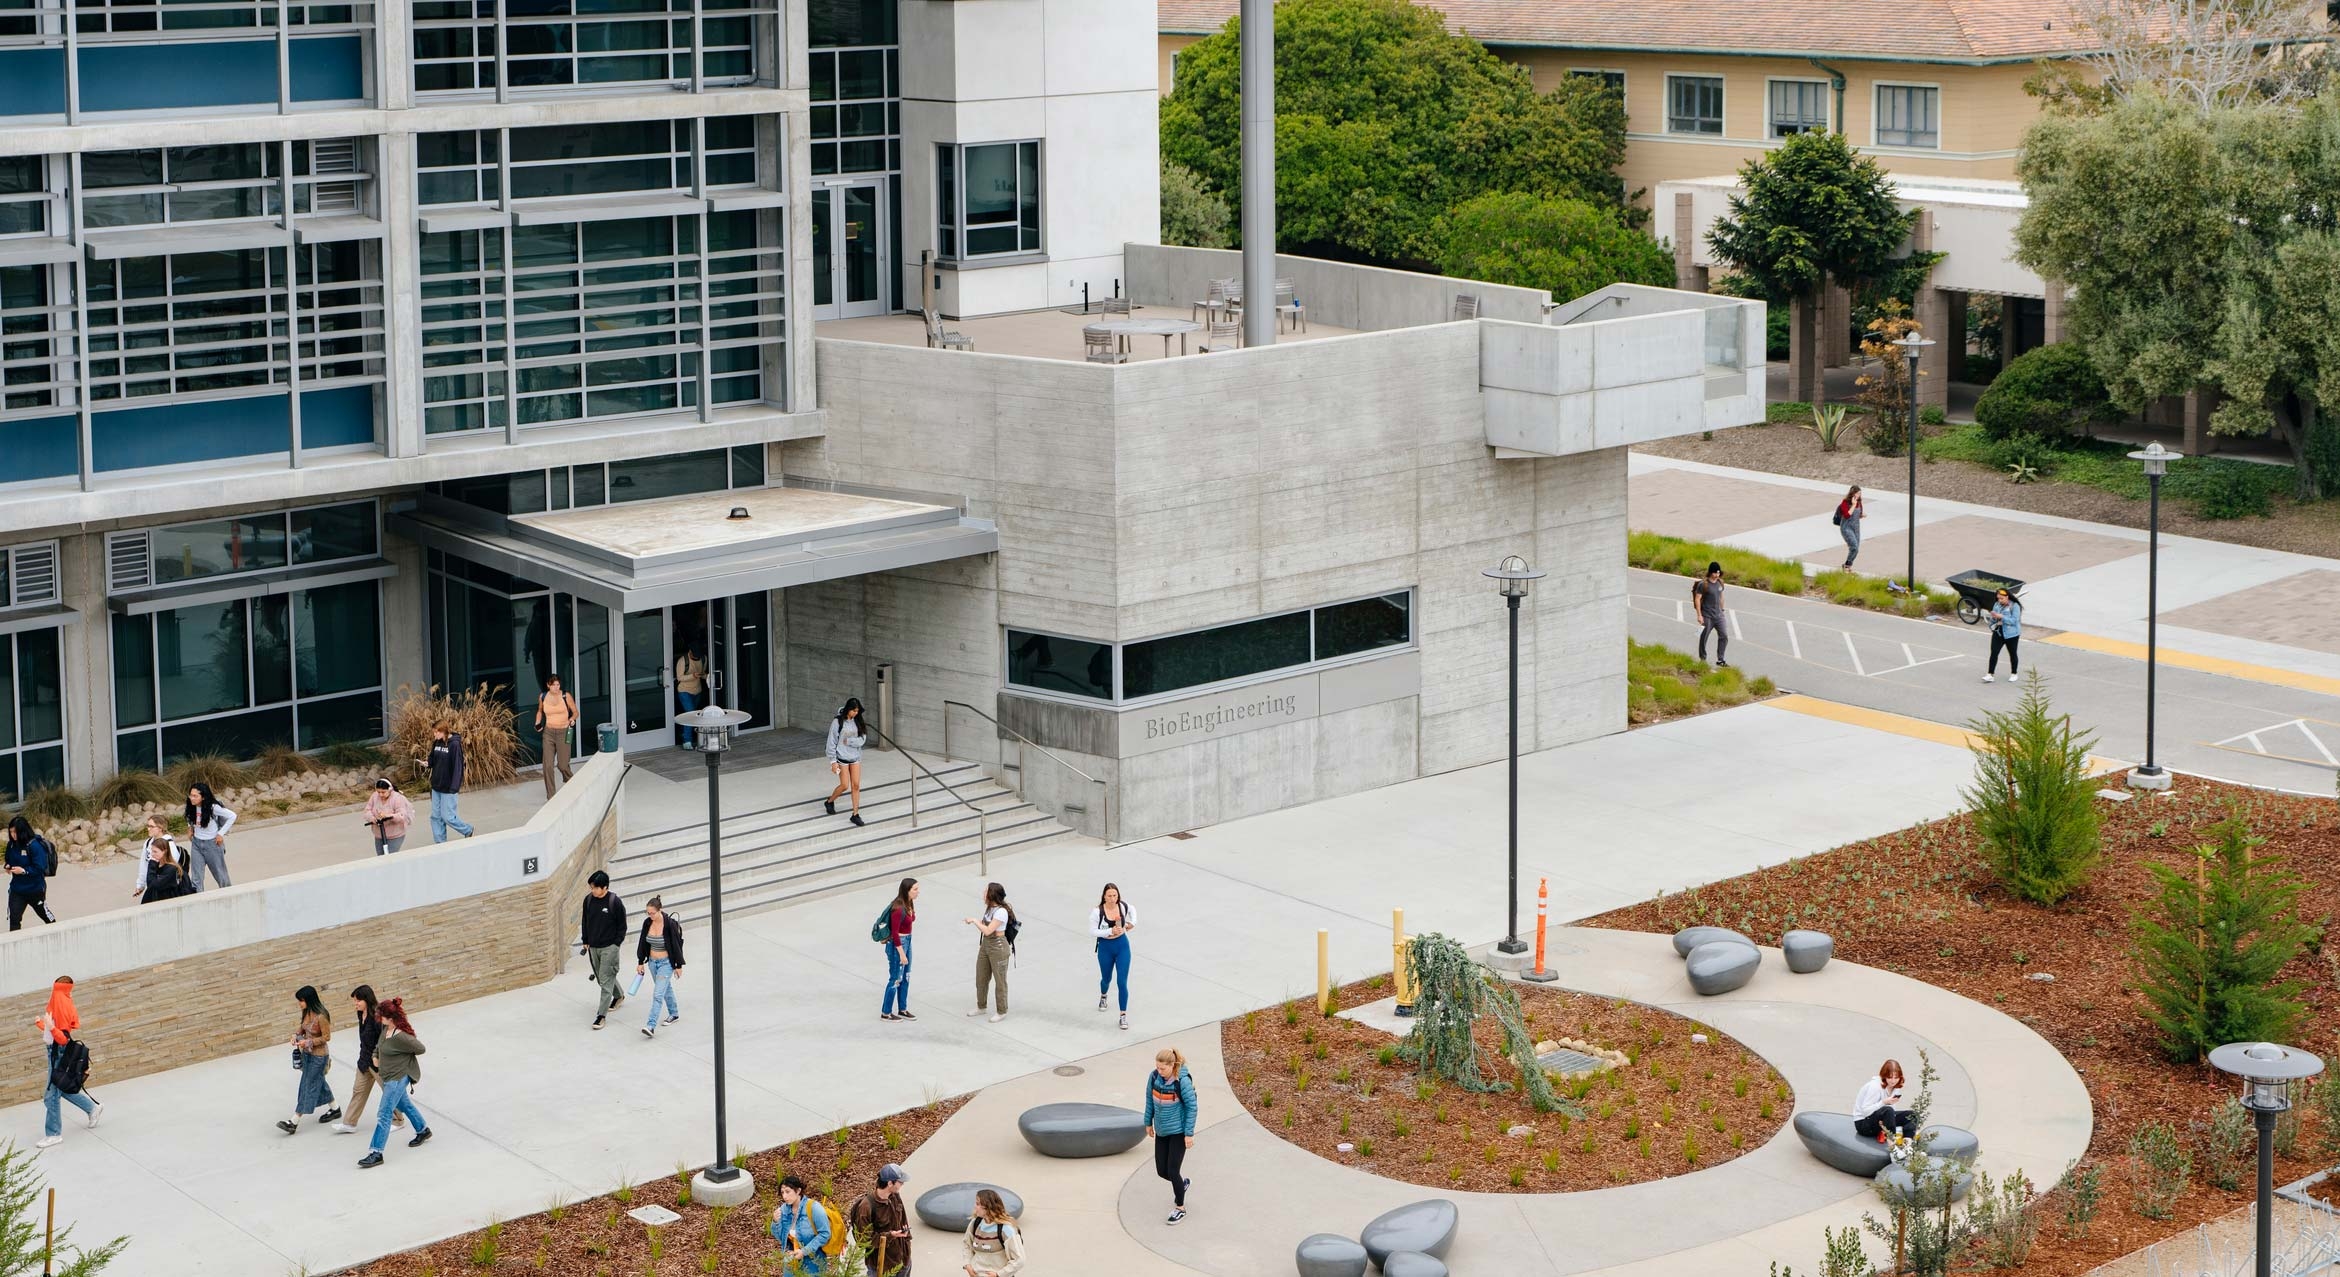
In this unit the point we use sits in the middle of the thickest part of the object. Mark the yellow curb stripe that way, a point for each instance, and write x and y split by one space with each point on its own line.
2198 663
1901 725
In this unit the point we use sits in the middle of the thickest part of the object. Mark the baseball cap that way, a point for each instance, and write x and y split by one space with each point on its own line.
892 1173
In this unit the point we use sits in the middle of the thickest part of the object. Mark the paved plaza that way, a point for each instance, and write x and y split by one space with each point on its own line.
532 1107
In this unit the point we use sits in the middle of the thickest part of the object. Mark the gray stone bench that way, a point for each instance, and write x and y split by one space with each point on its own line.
1081 1130
1831 1138
1329 1255
1427 1227
1690 938
1806 951
1413 1263
1719 966
949 1206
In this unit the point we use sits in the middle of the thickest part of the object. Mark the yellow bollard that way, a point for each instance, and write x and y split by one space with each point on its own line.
1323 971
1400 968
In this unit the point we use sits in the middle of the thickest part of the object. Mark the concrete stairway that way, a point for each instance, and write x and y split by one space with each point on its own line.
781 854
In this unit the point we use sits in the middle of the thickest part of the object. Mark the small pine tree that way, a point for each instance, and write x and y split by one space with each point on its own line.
20 1227
2211 947
2033 802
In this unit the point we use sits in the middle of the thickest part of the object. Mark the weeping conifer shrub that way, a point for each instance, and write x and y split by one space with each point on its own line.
1451 992
2211 947
2033 802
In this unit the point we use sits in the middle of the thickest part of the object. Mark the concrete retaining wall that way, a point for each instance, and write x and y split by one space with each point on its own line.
210 975
1366 298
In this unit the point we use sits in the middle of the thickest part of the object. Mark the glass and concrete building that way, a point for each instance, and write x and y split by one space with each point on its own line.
345 348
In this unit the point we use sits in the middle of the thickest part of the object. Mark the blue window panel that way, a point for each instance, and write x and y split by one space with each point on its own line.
44 448
144 77
176 434
328 69
32 82
342 415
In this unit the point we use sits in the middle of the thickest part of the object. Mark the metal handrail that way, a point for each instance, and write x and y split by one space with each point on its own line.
1104 790
982 817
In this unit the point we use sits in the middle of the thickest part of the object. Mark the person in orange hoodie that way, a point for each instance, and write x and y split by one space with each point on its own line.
57 1024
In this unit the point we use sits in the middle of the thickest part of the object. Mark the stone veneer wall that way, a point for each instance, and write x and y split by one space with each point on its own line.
151 1016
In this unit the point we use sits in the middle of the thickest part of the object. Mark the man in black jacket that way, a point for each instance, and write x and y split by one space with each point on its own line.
446 764
600 931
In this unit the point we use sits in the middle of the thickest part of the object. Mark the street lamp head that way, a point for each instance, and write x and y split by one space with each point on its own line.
1513 576
1912 346
2156 459
2267 1071
711 728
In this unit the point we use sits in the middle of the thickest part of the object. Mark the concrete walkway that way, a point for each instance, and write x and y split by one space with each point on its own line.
1823 1032
533 1107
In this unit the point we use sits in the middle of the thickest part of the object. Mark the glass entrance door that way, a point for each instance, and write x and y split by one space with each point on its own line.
849 251
649 712
692 655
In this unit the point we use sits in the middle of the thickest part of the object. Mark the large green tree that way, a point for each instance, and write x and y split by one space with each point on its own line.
1385 121
1812 212
1563 245
2200 245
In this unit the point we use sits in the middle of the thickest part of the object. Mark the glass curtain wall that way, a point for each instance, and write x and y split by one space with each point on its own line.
32 712
506 634
857 115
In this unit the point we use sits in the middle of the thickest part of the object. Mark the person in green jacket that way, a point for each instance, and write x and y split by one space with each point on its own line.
397 1062
1172 1114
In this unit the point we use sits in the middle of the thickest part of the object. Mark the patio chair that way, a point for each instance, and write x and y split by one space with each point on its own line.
947 339
1287 303
1116 305
1100 346
1215 300
1466 306
1223 334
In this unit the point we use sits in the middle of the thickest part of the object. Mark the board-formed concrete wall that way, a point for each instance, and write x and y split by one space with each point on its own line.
210 975
1366 298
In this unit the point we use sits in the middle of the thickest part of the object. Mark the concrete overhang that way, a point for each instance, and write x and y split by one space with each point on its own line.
35 618
639 555
164 598
1624 365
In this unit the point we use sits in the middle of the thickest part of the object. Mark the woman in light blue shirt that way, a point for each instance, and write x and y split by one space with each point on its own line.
846 736
2006 633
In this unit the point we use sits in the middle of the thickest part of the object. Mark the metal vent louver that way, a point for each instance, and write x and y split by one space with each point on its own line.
129 562
32 574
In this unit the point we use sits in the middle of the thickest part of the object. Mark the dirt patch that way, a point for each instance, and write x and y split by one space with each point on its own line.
1921 903
1782 449
595 1238
1676 1107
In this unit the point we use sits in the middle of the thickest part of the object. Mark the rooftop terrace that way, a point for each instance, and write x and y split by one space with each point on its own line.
1052 334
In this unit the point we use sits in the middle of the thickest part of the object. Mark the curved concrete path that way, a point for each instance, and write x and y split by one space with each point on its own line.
1256 1196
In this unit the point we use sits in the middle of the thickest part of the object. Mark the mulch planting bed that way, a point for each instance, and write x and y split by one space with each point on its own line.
1323 1081
595 1238
1922 903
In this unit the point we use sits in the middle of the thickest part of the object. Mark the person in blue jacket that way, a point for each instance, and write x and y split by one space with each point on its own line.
1172 1113
2006 636
801 1226
30 861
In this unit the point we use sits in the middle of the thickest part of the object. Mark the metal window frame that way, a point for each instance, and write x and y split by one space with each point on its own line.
60 26
12 754
489 19
1877 129
952 237
1721 103
889 140
286 513
1771 119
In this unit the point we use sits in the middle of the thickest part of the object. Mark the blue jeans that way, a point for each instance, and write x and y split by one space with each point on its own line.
689 701
394 1102
52 1121
1113 961
897 978
443 817
661 990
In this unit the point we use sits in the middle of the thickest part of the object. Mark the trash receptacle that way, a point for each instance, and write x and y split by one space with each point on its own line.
609 739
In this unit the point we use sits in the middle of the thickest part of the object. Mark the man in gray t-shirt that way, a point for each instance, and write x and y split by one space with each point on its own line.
1706 598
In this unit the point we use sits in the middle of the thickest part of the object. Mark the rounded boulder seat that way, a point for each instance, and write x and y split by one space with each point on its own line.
1899 1187
1807 951
1426 1227
1950 1143
1413 1263
1719 966
949 1206
1830 1137
1081 1130
1691 937
1329 1255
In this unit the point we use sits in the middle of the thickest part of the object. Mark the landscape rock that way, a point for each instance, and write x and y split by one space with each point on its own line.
1691 937
1328 1255
1720 966
1807 951
1081 1130
1427 1227
950 1206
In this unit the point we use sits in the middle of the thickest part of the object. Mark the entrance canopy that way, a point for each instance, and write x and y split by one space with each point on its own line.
635 556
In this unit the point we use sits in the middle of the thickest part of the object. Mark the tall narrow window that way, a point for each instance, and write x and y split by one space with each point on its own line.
1694 104
988 199
1909 115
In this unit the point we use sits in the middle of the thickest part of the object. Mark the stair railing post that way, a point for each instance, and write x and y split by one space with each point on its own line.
983 839
1019 769
913 793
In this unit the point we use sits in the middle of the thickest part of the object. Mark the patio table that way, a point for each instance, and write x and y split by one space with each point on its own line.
1124 329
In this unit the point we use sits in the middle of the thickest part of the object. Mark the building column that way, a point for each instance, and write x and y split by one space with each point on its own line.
400 398
1688 276
2052 313
2200 402
1953 336
1804 385
1836 343
1931 309
86 648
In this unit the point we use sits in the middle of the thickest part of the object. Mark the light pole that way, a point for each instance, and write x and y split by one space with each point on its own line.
1912 346
2156 459
721 1183
1513 577
2267 1072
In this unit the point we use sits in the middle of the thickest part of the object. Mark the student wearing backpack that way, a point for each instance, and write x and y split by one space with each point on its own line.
658 953
57 1024
804 1230
899 915
1172 1113
882 1219
995 947
175 884
994 1244
31 861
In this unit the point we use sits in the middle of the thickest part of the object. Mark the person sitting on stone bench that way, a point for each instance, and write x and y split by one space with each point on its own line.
1874 1111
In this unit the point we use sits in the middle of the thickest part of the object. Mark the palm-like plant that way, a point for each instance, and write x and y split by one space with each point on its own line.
1828 423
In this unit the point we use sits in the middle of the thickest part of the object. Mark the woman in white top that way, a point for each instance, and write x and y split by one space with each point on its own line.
207 826
158 833
846 734
992 951
1875 1109
1110 923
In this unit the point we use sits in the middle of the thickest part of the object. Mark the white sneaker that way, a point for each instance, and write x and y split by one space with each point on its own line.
1988 679
1100 1001
1125 1019
96 1111
342 1128
980 1011
50 1142
998 1016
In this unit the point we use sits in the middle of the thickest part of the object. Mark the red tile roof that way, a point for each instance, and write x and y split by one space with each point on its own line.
1910 30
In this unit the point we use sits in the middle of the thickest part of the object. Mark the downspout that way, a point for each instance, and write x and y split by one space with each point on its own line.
1835 81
